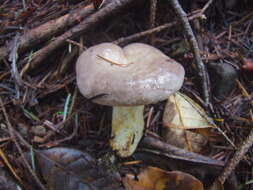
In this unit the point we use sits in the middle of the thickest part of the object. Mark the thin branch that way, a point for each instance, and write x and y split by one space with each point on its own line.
206 6
125 40
153 4
152 17
192 40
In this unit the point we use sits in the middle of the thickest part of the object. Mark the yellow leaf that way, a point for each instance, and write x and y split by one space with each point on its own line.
181 114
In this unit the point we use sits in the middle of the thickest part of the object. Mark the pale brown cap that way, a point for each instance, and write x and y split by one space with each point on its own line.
137 74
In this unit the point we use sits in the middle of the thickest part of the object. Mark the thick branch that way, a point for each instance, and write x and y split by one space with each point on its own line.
77 30
49 29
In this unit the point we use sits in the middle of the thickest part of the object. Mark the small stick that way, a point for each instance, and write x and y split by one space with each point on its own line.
75 43
153 4
109 61
124 40
47 30
76 31
192 40
149 117
112 62
206 6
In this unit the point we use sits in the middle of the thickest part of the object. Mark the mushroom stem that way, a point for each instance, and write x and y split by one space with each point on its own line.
127 129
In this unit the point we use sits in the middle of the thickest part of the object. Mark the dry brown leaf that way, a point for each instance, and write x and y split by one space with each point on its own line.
184 139
68 169
151 178
182 113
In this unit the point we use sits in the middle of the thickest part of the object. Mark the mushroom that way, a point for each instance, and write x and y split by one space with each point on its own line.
131 77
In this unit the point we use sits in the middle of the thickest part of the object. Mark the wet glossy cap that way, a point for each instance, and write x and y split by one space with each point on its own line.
137 74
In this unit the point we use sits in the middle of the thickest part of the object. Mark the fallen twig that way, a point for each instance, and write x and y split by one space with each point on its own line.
77 31
45 31
178 153
14 70
206 6
125 40
192 40
152 17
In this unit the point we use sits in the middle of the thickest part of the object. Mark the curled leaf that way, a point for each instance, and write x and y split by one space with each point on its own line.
181 114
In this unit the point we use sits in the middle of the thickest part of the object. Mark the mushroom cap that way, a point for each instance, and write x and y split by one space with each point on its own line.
137 74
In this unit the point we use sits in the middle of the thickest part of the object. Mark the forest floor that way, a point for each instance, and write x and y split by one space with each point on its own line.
41 107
